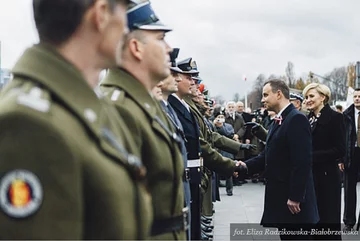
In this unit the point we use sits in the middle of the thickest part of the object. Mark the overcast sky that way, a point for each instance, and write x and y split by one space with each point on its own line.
232 38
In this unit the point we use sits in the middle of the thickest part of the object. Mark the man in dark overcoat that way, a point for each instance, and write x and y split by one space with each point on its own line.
351 160
289 194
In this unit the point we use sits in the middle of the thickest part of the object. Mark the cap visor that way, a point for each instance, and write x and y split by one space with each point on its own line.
196 78
158 26
176 69
191 72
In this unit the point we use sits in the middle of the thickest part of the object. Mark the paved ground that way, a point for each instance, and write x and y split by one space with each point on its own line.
245 206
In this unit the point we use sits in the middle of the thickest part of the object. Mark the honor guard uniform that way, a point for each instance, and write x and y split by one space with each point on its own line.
191 131
213 160
205 181
129 88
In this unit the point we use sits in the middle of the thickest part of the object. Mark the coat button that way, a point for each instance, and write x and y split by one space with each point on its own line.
90 115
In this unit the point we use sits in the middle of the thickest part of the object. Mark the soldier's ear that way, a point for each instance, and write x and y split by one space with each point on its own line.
136 48
100 14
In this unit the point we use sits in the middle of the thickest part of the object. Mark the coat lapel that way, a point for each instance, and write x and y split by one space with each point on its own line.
275 126
176 104
229 119
324 118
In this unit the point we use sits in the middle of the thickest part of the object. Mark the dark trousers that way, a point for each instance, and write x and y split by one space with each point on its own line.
195 182
350 181
229 184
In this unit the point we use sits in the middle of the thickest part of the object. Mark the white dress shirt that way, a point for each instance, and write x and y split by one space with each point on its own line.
356 118
279 114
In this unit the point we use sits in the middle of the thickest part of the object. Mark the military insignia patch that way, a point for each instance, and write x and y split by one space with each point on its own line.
21 193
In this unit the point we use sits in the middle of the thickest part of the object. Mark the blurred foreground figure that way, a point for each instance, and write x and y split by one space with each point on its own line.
146 62
67 170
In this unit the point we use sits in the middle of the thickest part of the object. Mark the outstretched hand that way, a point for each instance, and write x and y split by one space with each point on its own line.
253 125
247 147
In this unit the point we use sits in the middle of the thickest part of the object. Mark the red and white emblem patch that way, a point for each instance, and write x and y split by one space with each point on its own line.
21 193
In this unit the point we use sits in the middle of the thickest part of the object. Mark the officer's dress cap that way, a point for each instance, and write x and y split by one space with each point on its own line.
187 66
141 16
195 76
294 96
173 56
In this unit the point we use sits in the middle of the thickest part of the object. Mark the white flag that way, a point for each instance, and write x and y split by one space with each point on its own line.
350 97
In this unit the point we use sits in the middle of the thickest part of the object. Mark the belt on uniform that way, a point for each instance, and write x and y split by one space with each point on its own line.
195 163
173 224
186 176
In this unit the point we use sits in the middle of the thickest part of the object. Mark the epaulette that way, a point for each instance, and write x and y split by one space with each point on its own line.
34 98
114 94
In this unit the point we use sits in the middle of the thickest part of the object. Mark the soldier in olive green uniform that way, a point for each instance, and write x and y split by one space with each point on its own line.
67 169
209 139
145 62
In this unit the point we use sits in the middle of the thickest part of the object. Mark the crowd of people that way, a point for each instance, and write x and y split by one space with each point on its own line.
140 154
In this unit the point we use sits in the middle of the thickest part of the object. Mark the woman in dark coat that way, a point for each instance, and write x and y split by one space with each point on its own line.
328 133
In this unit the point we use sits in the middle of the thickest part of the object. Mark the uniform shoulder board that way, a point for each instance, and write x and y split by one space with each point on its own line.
117 95
113 94
33 99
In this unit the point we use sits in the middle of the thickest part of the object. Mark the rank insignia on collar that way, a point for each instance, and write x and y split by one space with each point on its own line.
21 193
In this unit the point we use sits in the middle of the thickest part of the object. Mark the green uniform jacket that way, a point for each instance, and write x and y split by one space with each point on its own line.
64 174
261 133
159 151
213 159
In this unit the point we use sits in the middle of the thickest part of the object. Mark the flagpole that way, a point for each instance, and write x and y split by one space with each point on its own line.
246 99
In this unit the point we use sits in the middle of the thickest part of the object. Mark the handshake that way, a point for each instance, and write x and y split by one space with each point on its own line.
240 167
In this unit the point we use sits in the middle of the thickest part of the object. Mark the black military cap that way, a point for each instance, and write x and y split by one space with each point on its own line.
187 66
173 55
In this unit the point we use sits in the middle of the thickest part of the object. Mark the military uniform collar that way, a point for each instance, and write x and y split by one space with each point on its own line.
122 79
44 65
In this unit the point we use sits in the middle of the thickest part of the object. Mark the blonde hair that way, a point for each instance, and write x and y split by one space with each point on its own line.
320 88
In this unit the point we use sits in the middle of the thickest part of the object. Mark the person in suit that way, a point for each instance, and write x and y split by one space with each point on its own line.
240 109
237 121
290 200
352 160
144 63
328 145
